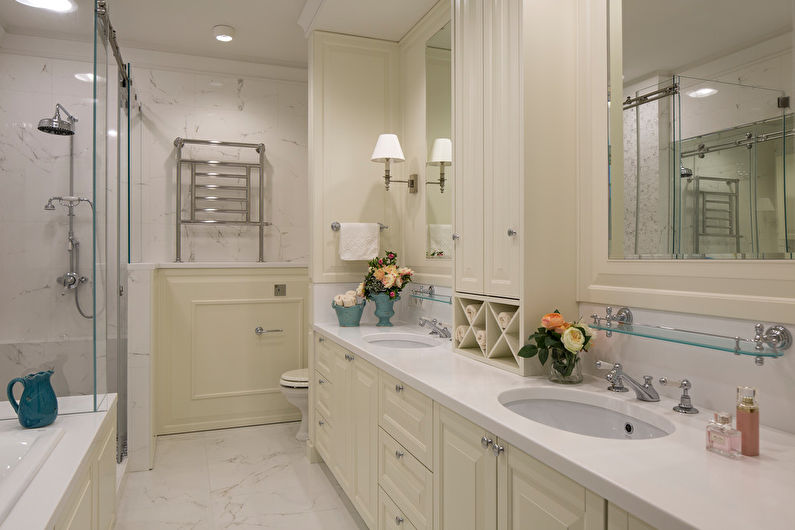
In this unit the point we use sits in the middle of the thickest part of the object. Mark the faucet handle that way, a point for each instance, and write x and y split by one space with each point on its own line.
647 380
614 376
685 405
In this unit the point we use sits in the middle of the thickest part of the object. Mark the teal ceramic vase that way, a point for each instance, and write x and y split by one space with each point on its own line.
38 405
384 308
349 317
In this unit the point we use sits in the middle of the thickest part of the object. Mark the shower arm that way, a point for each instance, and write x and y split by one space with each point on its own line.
72 118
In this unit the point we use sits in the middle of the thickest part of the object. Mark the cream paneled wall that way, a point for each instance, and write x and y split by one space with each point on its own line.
353 97
229 107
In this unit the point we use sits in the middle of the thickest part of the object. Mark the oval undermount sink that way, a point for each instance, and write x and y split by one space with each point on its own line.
586 413
406 341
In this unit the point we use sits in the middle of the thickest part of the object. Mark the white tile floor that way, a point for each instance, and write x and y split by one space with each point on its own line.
252 477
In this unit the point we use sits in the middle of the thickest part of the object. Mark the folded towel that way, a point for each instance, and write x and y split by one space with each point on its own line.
460 331
504 318
480 338
440 239
348 300
338 301
350 293
471 310
359 241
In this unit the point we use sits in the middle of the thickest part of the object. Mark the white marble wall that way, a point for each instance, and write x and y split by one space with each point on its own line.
40 327
228 108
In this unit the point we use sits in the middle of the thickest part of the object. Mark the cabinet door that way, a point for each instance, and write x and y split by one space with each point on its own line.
465 481
533 495
342 447
79 514
104 469
618 519
363 413
502 148
468 144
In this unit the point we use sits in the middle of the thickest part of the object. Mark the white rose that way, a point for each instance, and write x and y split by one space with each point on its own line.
573 339
389 280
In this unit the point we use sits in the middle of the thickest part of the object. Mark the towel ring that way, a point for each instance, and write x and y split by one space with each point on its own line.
335 226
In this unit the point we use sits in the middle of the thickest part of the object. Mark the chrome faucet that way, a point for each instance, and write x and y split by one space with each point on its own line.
617 377
439 331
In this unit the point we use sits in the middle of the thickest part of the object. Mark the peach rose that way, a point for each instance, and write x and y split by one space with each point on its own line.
379 275
389 280
553 321
405 271
563 328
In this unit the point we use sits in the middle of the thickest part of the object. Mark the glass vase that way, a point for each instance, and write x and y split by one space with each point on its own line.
564 367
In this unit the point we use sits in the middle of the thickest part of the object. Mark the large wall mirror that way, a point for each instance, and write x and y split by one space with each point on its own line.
438 123
701 162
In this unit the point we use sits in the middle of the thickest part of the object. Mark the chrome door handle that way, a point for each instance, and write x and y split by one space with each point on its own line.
497 449
511 232
259 331
399 454
486 442
398 520
398 388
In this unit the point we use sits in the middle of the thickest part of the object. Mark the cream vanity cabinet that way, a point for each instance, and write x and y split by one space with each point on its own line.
90 500
223 339
346 423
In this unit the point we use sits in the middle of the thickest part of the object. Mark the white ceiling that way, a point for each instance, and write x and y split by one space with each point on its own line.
267 31
666 36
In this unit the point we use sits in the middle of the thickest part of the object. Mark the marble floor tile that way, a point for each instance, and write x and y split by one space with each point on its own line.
251 477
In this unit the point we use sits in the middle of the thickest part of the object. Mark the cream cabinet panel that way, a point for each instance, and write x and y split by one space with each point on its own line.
465 481
344 454
533 495
105 477
81 513
503 160
406 481
618 519
468 144
407 415
389 515
223 342
324 440
363 410
324 400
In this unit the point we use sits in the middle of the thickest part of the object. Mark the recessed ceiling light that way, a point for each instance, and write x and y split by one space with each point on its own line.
702 92
59 6
85 77
224 33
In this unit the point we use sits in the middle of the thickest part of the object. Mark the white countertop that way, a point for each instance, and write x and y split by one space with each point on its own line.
669 482
38 503
219 265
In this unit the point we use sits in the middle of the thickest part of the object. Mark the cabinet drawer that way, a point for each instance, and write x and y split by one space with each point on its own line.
389 515
325 396
407 482
324 440
407 415
328 355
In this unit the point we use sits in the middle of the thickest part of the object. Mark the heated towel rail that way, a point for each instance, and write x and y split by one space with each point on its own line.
221 192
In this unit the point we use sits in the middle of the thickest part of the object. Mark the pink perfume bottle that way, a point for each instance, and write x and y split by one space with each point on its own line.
722 438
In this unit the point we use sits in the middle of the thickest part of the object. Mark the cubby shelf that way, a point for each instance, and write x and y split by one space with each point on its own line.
500 341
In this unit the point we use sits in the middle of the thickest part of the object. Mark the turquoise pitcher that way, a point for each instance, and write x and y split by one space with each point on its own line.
38 405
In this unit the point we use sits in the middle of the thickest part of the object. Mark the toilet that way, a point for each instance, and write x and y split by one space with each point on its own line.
295 387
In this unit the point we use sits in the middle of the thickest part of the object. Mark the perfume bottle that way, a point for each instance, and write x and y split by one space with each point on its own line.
748 419
722 438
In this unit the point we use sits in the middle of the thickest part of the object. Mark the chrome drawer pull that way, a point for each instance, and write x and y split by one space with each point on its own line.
259 331
398 454
321 423
486 442
398 388
398 520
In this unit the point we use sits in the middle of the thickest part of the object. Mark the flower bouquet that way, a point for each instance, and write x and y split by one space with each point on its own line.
383 283
561 342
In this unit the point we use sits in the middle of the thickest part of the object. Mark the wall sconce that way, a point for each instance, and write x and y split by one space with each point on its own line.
387 149
441 155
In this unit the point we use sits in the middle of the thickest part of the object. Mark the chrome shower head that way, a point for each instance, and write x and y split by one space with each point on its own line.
58 125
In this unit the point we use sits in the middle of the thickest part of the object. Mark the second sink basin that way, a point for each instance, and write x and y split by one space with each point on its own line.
401 340
586 413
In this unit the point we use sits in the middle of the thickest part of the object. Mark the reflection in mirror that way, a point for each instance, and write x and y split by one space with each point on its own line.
438 122
701 133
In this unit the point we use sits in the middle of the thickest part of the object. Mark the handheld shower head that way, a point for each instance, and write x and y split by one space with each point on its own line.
58 125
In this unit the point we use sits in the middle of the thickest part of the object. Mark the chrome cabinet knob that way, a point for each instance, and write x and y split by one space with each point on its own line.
321 339
348 357
398 520
497 449
399 454
486 442
456 237
258 330
321 381
398 388
511 232
321 423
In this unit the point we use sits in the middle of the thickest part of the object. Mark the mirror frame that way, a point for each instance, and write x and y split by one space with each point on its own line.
762 290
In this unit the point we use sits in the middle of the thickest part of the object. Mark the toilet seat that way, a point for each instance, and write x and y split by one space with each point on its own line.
295 378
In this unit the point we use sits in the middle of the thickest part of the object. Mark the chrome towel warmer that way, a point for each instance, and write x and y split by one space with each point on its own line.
221 191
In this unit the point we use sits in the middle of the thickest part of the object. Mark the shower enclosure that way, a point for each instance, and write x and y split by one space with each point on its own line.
64 212
706 169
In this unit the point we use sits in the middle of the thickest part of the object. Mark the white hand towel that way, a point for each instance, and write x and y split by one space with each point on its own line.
440 238
348 301
504 318
480 338
350 293
460 332
471 310
359 241
338 301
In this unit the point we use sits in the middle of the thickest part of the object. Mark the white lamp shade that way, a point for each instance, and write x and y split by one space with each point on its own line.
441 152
387 148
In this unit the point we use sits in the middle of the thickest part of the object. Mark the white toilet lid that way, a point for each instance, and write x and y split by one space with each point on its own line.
295 378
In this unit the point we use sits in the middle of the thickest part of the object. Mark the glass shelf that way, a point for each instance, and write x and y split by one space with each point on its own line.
741 346
442 298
